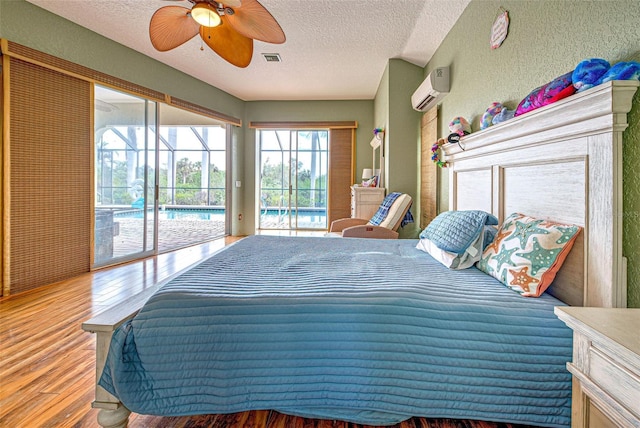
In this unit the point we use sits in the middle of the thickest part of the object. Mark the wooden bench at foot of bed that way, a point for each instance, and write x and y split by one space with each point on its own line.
113 414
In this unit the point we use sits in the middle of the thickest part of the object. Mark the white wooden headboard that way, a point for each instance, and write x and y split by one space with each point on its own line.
562 162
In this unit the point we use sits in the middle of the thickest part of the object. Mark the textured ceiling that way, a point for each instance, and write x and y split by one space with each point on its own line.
335 49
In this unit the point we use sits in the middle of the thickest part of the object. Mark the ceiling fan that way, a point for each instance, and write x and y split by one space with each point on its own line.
228 27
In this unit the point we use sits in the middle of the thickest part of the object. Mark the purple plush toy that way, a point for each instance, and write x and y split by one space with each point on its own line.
559 88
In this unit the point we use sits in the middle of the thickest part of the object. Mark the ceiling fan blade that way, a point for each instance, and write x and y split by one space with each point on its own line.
252 20
231 3
171 26
228 43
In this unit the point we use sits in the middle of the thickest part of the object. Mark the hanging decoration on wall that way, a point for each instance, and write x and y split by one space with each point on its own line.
499 29
434 153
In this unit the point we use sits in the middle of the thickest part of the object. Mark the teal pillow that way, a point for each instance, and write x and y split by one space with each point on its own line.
455 231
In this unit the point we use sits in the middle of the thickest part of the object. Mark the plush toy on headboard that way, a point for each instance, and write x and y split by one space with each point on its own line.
559 88
460 126
588 73
504 115
622 71
594 71
488 116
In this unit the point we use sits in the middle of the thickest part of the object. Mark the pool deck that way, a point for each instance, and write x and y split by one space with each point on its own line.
172 234
178 233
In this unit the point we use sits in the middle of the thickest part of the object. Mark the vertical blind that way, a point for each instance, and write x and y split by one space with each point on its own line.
49 171
340 173
47 164
428 171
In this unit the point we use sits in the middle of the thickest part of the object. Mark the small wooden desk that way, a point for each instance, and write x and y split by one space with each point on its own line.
605 366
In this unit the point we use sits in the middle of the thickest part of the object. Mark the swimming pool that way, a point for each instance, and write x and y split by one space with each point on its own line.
311 218
272 218
177 214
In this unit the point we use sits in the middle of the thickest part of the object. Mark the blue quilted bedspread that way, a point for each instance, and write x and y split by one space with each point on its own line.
369 331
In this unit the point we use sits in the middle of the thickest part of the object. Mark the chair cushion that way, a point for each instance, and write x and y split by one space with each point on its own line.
395 212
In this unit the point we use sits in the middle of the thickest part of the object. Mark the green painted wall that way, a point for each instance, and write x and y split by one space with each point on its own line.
401 122
546 39
381 102
261 111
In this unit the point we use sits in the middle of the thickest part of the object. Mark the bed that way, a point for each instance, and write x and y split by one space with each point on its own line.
375 331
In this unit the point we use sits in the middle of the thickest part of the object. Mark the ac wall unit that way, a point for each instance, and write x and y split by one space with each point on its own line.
432 90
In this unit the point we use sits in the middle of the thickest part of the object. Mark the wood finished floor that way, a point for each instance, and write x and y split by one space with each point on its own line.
47 362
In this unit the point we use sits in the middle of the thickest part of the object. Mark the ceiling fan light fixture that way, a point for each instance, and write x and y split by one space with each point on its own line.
205 15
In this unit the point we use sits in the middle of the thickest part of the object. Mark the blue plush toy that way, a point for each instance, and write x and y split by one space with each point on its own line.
504 115
594 71
622 71
588 73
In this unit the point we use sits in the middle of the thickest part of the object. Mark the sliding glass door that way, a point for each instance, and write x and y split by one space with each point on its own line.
192 187
124 176
155 193
293 179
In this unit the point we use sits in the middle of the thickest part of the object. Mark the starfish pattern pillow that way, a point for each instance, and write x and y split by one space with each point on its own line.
527 253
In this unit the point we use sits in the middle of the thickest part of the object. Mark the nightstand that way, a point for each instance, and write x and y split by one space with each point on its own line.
605 366
365 201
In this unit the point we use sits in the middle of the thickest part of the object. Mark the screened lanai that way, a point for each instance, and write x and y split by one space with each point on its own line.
155 193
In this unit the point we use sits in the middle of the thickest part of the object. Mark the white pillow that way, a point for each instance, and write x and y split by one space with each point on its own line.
472 254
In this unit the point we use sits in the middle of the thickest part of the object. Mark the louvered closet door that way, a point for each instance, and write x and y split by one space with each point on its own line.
49 172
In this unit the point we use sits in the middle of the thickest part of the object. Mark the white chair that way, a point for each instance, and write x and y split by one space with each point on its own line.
384 223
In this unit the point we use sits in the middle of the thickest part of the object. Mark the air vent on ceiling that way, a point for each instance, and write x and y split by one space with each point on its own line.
272 57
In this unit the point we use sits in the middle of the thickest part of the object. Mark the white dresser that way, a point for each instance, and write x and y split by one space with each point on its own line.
365 201
605 366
